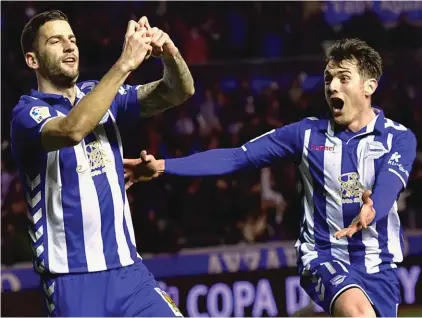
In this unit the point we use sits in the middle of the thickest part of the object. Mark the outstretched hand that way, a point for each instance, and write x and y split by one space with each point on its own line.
361 221
144 168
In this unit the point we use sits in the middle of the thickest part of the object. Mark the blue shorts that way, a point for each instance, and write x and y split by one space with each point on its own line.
127 291
325 282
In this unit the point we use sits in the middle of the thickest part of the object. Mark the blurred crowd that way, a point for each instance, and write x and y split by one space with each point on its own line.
206 31
235 101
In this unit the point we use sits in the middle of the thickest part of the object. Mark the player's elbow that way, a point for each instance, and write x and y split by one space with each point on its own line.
74 133
185 94
186 90
53 141
75 137
189 91
59 133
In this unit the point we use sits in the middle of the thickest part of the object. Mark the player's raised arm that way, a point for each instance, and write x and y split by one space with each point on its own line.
175 87
258 152
394 173
71 129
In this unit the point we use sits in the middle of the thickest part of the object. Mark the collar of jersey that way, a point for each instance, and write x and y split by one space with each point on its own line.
376 125
55 97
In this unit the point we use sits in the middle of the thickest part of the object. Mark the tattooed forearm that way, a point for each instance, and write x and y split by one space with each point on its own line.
177 76
174 88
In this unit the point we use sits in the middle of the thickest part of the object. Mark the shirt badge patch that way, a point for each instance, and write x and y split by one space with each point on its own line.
39 113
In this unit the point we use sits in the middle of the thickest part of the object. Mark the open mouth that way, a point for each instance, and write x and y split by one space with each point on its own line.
69 60
337 103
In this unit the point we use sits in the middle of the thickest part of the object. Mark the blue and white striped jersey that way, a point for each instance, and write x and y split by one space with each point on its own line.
80 219
335 168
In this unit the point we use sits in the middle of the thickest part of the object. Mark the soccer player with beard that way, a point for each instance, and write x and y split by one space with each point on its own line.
352 166
67 146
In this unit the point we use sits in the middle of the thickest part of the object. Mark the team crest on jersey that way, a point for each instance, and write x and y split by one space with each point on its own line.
351 188
97 159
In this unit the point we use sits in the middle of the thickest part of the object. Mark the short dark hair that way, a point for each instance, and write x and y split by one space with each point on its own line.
368 60
30 31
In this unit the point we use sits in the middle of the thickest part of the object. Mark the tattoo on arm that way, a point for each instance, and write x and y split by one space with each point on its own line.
173 89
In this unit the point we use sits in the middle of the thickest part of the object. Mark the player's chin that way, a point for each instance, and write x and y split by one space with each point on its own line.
70 72
69 77
340 120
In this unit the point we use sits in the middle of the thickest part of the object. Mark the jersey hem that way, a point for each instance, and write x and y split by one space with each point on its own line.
84 271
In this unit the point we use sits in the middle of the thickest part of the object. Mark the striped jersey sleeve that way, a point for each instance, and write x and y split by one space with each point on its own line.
284 142
402 155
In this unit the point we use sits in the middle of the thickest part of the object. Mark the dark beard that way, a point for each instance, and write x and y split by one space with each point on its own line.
52 70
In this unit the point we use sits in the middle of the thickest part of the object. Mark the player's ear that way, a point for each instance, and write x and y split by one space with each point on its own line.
32 60
370 85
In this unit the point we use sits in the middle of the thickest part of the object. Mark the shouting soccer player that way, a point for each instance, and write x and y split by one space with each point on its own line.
66 143
353 167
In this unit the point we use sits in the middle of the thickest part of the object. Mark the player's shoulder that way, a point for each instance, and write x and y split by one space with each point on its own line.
300 127
87 86
27 102
312 123
397 129
315 121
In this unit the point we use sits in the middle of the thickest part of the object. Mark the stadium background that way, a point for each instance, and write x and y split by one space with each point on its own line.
257 66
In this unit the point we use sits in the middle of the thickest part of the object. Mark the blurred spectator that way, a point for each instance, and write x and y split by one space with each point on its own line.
195 48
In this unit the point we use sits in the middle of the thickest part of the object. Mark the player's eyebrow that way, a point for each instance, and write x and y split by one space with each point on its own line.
339 72
344 71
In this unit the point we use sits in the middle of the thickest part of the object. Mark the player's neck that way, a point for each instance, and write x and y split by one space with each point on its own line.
48 87
364 118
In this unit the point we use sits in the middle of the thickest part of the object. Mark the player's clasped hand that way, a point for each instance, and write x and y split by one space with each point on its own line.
160 40
144 168
136 47
361 221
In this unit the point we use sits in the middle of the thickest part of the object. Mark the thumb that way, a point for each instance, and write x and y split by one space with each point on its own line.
149 158
144 155
366 197
128 184
364 218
